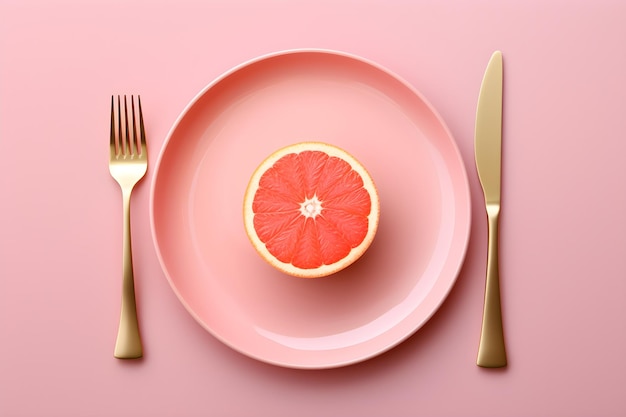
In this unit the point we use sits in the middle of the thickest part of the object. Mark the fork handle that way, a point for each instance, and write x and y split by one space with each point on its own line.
491 350
128 343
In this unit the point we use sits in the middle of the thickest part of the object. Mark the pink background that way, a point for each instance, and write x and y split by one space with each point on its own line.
563 231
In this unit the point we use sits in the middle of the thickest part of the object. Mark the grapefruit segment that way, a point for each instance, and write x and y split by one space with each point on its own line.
311 209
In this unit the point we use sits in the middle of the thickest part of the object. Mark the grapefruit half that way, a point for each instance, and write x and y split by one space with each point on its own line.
311 209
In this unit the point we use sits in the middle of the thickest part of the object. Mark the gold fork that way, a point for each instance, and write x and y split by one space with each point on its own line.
128 164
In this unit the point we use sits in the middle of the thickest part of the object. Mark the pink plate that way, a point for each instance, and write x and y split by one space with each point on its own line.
202 174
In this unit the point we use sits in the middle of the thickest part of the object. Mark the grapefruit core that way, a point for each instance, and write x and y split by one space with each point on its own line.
311 209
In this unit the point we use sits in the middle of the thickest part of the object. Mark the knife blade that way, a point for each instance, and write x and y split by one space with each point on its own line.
488 155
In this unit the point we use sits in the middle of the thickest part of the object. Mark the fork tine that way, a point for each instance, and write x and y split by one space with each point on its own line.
120 136
142 131
133 127
127 142
113 141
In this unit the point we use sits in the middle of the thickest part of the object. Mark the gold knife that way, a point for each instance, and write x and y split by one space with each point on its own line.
488 150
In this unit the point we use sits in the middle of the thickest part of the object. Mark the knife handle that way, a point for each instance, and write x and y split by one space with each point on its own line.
491 350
